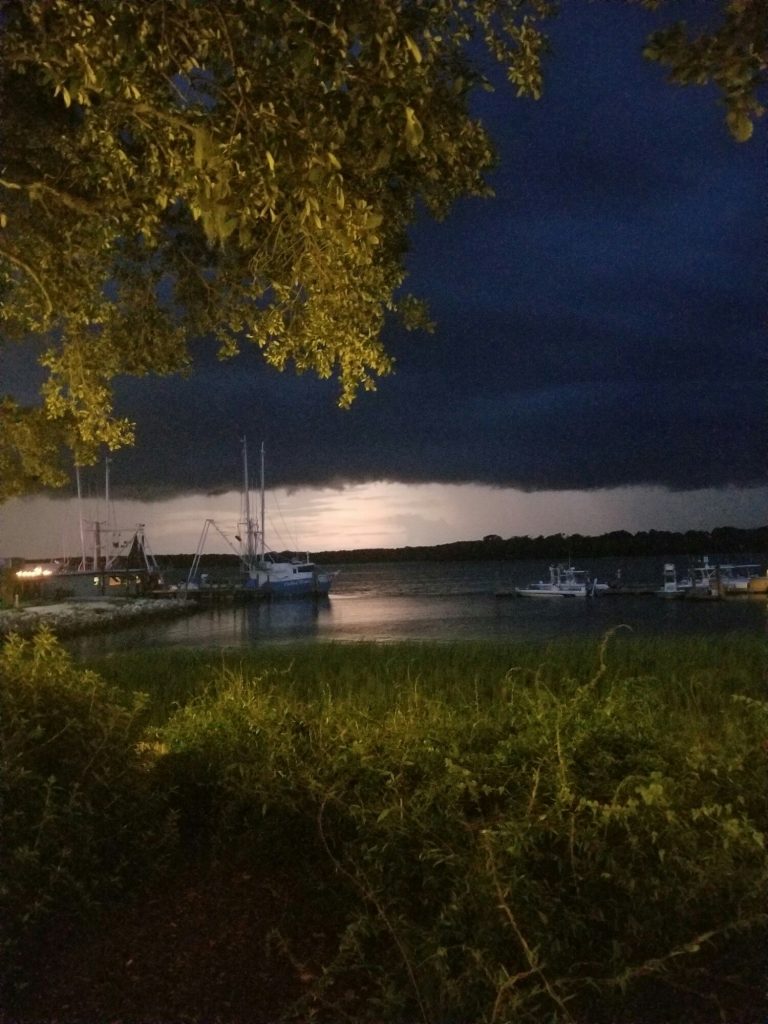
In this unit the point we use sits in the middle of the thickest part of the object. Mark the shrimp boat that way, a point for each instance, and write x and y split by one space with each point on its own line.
114 562
564 581
268 574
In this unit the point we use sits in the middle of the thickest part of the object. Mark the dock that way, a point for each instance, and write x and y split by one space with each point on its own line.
630 590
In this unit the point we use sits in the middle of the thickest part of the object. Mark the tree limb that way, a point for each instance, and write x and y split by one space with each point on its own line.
30 273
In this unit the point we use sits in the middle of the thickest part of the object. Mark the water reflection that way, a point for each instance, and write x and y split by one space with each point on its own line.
287 620
445 602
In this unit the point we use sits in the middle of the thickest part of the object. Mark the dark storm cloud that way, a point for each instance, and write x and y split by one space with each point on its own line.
601 322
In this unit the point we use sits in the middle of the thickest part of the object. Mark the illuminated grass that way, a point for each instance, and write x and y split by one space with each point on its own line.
686 673
509 828
572 832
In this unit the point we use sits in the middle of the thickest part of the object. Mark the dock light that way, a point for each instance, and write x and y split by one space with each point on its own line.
32 573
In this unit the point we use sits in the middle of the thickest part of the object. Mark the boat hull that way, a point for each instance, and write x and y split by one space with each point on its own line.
564 581
289 580
547 591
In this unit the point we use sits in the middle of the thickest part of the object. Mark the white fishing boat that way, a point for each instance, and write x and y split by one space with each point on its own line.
269 574
564 581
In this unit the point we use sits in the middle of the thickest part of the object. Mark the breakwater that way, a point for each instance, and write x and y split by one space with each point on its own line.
71 617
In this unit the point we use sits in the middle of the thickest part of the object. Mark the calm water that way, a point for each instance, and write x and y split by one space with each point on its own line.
443 602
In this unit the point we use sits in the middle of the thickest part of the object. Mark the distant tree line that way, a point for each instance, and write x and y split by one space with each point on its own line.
723 541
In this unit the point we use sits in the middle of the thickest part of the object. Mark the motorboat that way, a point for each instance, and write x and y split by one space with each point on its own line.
721 578
672 587
739 579
564 581
711 580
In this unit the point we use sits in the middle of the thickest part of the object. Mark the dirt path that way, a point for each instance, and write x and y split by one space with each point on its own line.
227 948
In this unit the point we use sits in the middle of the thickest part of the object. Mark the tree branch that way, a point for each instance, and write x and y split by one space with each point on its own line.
77 203
30 273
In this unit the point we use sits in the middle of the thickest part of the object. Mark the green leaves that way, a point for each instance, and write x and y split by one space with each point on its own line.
251 169
79 818
414 133
266 160
504 846
733 55
413 48
740 124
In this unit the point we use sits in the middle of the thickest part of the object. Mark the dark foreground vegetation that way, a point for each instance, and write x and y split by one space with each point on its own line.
452 835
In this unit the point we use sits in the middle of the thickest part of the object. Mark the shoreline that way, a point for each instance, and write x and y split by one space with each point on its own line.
68 618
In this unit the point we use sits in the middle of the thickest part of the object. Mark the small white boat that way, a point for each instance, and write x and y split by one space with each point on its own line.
739 579
672 587
709 579
722 578
564 581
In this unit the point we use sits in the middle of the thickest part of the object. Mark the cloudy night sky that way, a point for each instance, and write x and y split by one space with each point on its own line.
598 363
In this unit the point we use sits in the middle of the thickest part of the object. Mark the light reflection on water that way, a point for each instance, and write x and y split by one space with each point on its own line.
440 602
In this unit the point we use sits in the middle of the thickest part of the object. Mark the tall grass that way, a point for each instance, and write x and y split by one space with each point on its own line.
508 833
698 669
80 819
566 833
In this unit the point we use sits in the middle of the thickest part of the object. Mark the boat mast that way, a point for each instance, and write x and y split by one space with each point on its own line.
107 461
261 514
249 545
108 517
80 515
97 546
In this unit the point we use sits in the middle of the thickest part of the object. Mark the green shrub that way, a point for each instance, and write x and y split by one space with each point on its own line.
80 818
533 853
507 835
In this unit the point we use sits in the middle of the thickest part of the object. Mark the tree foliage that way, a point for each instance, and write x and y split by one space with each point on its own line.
246 171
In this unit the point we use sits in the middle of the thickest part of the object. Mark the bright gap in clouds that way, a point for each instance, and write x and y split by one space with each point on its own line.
380 515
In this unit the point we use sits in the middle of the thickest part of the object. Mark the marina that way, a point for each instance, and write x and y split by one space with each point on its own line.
441 602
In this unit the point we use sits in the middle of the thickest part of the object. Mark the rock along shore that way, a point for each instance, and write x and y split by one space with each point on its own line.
70 617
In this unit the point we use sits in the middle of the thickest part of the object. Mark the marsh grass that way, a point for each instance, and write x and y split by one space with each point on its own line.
510 828
700 669
567 833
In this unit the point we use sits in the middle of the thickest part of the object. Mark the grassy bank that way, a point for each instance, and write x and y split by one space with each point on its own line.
488 833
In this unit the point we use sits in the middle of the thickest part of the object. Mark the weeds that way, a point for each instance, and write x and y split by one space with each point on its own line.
509 834
80 819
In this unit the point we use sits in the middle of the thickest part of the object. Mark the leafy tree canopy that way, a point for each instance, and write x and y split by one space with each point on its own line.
248 170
